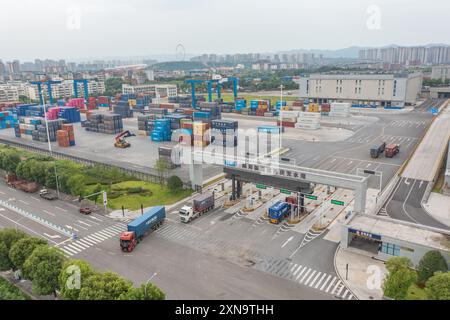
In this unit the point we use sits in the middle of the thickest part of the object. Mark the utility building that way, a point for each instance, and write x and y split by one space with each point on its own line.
363 90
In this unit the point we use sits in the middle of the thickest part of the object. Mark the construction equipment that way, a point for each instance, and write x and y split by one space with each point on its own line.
48 195
120 139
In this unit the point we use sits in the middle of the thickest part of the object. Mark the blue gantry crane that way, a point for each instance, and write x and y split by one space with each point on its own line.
85 87
209 83
49 89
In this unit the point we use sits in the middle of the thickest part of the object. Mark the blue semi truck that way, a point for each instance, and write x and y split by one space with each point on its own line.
137 229
279 211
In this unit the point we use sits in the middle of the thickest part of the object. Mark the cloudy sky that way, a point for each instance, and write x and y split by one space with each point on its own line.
77 29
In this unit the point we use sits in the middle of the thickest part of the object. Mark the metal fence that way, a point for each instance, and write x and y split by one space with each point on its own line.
152 176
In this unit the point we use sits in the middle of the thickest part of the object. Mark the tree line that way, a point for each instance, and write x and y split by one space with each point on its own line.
431 274
50 272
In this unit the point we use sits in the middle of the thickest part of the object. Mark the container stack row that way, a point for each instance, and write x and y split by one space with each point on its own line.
66 136
161 131
103 123
7 120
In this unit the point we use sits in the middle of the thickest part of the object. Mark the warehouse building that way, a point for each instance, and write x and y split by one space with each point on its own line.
163 90
363 90
384 238
440 92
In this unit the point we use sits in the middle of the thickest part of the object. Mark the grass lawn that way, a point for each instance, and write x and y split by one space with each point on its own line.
416 293
8 291
132 201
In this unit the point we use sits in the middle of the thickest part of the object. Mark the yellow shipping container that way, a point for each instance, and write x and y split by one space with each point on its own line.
200 144
199 128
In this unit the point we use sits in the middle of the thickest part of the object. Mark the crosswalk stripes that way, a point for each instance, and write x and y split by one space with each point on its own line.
85 243
306 276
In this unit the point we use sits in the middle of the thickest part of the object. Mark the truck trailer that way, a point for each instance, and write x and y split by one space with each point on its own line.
137 229
201 204
279 211
377 150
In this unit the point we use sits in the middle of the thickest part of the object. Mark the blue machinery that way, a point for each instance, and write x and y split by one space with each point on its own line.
194 82
49 89
85 87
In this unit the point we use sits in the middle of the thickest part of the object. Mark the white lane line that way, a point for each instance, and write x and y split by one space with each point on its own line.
86 224
345 294
70 250
94 237
60 208
350 297
24 202
78 226
94 218
310 277
67 252
335 287
331 283
320 281
52 237
105 233
315 279
118 228
299 267
34 198
340 290
293 268
84 242
306 274
99 236
325 283
287 241
90 241
48 212
79 246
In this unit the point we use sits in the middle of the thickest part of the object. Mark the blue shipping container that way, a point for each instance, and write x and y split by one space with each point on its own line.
147 221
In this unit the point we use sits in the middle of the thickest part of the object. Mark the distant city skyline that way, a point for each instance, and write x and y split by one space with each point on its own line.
78 30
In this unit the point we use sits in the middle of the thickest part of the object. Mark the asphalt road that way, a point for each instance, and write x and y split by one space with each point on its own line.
218 256
405 204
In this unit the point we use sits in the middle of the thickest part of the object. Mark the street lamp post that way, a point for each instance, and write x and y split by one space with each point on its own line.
49 144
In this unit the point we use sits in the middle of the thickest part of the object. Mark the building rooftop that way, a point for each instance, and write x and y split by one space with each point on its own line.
401 230
362 76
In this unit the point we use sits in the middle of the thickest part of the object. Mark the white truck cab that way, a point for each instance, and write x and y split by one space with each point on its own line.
187 214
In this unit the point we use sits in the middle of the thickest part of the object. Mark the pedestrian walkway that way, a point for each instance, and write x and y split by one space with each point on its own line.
85 243
364 276
306 276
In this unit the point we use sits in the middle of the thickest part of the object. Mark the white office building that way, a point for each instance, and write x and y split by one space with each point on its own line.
379 90
163 90
8 93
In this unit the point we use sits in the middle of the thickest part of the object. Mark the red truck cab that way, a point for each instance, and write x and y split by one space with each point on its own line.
392 150
128 241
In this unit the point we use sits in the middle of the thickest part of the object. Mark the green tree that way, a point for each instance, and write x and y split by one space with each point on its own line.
401 276
398 263
438 286
8 237
43 268
174 183
76 184
22 249
73 277
430 263
113 86
104 286
144 292
9 160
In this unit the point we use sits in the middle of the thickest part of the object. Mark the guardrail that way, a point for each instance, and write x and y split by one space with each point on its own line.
38 219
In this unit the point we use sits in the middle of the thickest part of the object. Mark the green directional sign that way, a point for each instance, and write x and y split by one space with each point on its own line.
338 203
311 197
261 186
285 191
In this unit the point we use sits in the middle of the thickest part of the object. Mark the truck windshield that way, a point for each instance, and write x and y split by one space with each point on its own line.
182 212
124 243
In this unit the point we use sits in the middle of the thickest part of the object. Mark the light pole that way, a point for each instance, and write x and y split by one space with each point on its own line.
281 114
49 143
150 279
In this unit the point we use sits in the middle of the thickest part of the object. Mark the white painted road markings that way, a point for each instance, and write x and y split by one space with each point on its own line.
95 218
52 237
287 241
24 202
86 224
48 212
85 243
60 208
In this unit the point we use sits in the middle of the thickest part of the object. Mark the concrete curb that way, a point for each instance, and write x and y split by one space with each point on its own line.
339 276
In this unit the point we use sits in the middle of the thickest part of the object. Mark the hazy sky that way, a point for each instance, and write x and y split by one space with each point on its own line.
74 29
